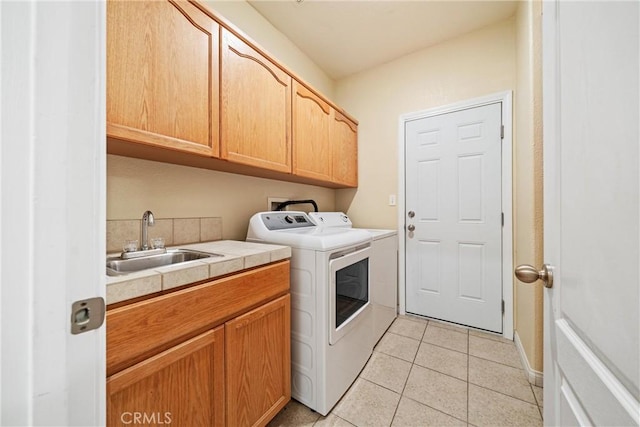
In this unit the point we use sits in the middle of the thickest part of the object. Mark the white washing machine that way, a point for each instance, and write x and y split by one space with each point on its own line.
384 269
331 310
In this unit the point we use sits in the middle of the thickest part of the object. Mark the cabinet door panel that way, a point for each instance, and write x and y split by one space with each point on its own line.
258 354
163 75
344 139
181 386
255 108
311 143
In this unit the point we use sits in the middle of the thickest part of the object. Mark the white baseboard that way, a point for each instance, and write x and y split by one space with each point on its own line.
534 377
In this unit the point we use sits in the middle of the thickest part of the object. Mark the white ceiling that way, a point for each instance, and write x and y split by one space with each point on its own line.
345 37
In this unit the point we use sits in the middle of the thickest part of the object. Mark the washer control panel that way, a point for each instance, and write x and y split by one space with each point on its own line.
286 220
331 219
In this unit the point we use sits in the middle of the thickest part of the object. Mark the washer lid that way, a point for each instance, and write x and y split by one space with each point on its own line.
339 219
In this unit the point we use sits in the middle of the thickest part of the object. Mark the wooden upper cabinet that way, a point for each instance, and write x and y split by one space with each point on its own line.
255 108
163 75
344 142
182 386
311 143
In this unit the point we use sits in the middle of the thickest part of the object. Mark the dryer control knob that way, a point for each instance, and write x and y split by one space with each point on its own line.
289 219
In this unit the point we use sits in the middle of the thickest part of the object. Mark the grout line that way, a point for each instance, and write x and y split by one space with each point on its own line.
524 372
393 391
499 363
391 355
441 373
400 335
507 395
404 386
534 394
535 397
446 348
426 325
321 418
380 385
435 409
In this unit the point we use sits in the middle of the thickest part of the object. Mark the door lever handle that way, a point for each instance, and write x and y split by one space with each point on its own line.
528 274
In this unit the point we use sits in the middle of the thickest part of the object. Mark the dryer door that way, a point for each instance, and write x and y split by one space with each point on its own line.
349 293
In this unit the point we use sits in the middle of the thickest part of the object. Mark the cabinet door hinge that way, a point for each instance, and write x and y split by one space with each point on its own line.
502 306
502 219
501 131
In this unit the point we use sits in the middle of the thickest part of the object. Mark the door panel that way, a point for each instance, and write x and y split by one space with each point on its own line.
312 146
258 363
162 75
255 107
592 219
453 182
182 385
344 145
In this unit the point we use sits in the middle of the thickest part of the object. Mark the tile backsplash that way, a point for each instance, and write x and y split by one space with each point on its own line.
175 231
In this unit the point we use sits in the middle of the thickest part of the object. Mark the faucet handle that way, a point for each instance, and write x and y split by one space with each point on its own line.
130 246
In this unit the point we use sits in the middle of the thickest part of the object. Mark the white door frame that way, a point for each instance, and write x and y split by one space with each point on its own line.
52 210
507 231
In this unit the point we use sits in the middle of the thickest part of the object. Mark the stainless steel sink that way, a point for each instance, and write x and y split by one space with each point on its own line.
116 266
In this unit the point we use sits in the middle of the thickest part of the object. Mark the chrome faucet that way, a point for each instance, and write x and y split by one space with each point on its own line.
147 221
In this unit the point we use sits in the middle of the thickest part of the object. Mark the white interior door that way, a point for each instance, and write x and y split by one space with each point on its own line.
454 223
52 217
591 196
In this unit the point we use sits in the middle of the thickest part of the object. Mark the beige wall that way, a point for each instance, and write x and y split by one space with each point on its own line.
476 64
528 179
249 21
504 56
173 191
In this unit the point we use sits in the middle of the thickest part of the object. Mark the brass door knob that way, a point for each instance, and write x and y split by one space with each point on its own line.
528 274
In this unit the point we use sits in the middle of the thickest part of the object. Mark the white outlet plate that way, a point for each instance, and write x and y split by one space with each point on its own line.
392 199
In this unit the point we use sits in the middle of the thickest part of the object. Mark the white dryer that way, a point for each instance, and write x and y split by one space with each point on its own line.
331 310
384 269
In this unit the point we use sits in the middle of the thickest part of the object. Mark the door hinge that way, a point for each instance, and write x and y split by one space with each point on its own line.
502 306
501 131
502 219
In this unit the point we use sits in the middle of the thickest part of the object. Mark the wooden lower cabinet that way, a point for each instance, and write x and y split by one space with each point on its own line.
212 354
182 386
258 363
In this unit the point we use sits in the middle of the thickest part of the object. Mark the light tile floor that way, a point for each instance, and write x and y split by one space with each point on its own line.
427 373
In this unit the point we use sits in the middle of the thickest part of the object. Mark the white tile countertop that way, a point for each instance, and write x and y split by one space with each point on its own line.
236 256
